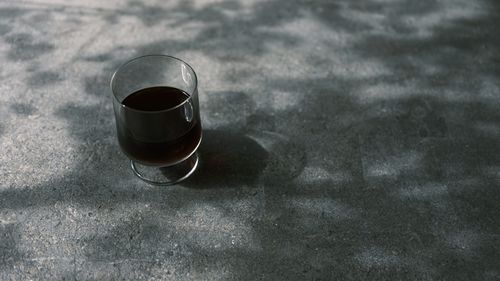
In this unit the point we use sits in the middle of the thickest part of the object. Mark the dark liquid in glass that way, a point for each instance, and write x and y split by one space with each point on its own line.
150 135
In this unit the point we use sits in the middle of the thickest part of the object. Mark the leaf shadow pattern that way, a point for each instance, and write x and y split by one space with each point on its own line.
9 253
24 46
393 187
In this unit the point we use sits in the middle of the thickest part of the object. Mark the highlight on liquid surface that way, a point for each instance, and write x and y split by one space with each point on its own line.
160 138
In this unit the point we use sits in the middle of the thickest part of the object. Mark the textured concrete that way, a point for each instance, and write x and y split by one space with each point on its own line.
344 140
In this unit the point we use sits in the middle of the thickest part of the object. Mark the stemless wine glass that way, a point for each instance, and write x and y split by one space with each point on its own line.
155 100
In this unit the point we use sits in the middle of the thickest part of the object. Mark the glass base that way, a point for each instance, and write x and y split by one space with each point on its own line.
167 175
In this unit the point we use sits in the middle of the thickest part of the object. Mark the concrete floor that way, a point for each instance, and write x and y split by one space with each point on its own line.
344 140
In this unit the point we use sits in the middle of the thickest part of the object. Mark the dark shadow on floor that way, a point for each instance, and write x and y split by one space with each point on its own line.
228 159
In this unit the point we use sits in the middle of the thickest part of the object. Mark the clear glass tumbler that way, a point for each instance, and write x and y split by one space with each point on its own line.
155 100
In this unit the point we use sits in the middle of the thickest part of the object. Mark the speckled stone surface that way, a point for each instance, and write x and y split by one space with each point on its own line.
343 140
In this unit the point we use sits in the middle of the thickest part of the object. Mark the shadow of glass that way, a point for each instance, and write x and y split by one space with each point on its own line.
231 159
227 160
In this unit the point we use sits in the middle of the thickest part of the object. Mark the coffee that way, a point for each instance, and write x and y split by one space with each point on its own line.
158 126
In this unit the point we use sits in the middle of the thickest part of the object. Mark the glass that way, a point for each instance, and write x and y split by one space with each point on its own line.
155 100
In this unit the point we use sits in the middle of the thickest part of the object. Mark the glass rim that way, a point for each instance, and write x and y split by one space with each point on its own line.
112 82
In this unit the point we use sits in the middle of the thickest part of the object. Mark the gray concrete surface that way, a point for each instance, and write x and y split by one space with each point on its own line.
344 140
